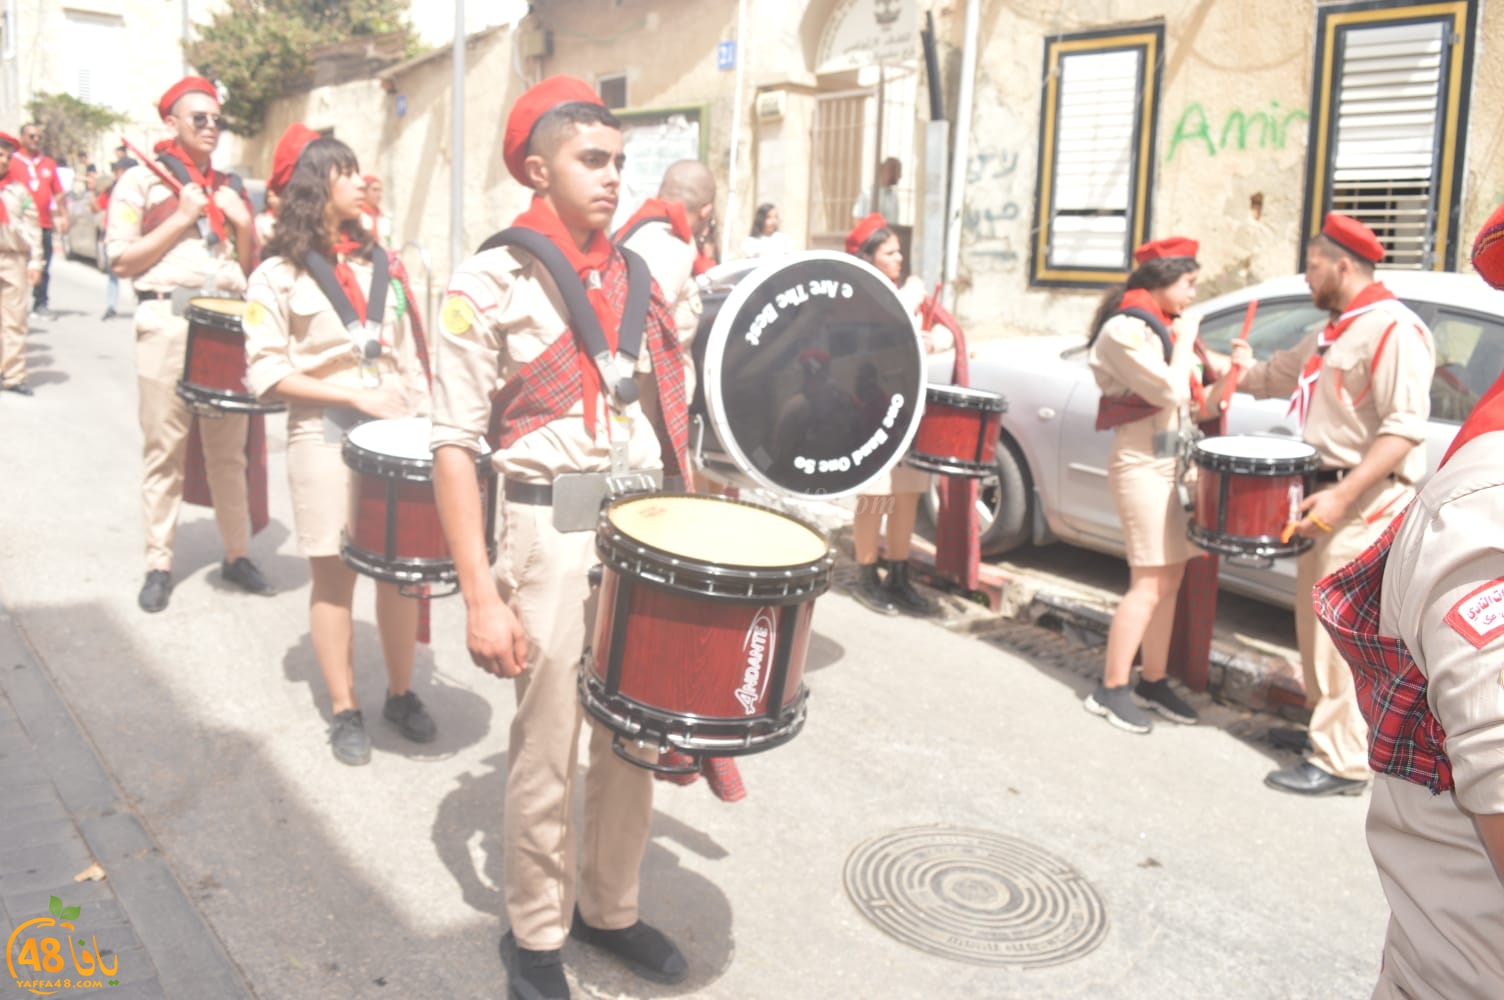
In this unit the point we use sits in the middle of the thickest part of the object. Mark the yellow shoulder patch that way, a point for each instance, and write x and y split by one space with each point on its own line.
129 214
458 315
255 314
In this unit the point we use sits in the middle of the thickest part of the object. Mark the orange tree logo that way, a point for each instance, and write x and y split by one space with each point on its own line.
35 957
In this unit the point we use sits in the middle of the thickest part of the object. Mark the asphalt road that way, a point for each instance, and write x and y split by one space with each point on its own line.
1154 867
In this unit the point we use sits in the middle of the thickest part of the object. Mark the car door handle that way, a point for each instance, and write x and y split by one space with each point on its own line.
1047 413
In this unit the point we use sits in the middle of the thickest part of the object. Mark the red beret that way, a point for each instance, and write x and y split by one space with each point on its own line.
285 158
1488 249
1170 246
1352 236
371 179
187 85
10 141
539 100
862 232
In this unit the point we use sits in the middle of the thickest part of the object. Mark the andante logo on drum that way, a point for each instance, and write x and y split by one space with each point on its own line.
757 647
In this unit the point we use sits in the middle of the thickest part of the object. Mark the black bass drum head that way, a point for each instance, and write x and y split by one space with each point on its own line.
813 376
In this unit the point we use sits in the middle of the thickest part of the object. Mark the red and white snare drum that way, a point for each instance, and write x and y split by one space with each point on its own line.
1248 489
703 624
958 433
214 366
393 531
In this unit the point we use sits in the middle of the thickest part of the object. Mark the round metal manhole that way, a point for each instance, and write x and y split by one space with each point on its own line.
975 896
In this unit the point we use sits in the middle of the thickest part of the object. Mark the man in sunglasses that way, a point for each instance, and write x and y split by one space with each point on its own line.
30 166
179 229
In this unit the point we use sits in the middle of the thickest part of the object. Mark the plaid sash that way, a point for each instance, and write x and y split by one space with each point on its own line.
1405 740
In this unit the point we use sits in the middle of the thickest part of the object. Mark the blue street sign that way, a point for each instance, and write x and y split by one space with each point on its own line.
401 105
725 55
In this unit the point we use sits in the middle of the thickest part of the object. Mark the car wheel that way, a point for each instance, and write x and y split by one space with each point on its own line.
1004 503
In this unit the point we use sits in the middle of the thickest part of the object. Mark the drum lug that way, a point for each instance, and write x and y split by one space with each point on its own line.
693 767
594 575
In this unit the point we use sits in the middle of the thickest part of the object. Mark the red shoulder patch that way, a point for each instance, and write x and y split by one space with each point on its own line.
1479 617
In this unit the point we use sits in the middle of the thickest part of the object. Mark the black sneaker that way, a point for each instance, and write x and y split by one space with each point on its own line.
407 713
903 593
643 949
244 574
869 590
1117 707
348 739
1159 696
533 975
155 591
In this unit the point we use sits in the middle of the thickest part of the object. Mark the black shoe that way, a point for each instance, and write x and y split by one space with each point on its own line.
1306 778
870 591
244 574
407 713
1159 696
533 975
645 950
348 739
1115 704
1284 738
109 314
155 591
21 388
903 593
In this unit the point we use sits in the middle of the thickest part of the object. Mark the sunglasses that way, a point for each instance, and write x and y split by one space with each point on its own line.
202 119
31 135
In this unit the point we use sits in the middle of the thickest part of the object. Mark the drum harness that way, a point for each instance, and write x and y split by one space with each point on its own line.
179 170
365 337
578 497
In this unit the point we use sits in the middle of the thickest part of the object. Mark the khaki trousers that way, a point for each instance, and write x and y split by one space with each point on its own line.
1339 736
15 303
542 573
161 340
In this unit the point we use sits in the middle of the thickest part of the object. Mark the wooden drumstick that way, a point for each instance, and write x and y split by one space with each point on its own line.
153 166
1232 371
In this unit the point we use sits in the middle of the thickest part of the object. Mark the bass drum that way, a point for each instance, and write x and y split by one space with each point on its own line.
810 375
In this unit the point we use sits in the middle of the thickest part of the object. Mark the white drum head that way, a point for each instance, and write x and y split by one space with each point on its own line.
1270 448
718 533
405 438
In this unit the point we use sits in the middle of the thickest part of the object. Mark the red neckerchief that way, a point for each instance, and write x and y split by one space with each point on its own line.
657 208
588 264
1487 415
33 178
210 183
346 277
1139 298
1305 388
700 266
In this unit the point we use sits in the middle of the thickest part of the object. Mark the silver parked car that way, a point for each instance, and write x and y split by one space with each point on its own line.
1051 480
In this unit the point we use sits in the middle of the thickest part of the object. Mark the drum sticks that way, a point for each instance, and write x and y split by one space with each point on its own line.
153 166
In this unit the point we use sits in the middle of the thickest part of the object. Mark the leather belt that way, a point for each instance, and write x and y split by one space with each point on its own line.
1337 475
149 296
542 494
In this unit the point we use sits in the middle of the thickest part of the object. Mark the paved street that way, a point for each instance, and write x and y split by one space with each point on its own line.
243 860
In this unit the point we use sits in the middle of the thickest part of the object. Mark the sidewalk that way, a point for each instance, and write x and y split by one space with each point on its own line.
67 832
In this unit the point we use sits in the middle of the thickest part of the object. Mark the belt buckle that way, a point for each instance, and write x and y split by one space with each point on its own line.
579 496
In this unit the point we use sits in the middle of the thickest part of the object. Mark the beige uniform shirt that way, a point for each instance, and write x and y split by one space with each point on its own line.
1126 359
291 327
1362 392
501 311
188 263
672 263
1443 594
23 234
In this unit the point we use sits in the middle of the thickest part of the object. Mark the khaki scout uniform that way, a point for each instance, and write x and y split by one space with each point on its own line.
1354 402
1446 927
291 327
501 311
189 267
1128 359
20 250
672 263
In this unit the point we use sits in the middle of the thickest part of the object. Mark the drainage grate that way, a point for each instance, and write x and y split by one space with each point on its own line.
976 897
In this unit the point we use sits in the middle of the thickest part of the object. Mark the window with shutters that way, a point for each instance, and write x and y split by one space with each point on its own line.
92 67
1388 123
1096 164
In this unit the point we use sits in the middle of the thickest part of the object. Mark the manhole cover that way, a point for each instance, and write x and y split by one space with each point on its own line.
975 896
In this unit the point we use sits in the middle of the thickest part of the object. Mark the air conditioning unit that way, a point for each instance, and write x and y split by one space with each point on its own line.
771 105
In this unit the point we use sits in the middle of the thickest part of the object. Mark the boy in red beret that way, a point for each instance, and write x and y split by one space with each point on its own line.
174 242
1361 389
506 341
20 269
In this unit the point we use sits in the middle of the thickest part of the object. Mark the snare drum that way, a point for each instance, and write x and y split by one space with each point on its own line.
1249 488
393 531
958 433
703 624
214 367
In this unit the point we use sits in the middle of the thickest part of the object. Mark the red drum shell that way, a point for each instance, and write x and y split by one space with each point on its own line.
214 365
685 660
958 432
1244 501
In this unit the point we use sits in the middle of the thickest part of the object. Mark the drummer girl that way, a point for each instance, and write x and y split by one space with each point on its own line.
300 351
895 495
1144 357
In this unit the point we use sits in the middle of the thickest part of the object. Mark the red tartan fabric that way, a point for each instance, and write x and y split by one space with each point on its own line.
1405 740
721 774
548 386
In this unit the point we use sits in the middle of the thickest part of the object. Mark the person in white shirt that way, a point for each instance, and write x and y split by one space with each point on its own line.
765 239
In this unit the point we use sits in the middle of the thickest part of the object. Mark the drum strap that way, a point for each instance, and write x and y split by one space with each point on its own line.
582 319
365 336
